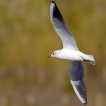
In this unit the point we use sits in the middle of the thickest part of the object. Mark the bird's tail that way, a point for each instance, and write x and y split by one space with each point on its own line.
91 59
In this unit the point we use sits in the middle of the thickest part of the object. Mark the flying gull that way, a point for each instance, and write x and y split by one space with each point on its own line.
71 53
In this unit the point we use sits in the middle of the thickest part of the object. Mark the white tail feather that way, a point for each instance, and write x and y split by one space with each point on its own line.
91 58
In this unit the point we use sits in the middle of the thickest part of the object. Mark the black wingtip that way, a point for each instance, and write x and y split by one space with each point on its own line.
53 2
85 103
56 12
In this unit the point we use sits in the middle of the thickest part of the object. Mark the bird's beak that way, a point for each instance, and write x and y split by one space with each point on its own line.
49 56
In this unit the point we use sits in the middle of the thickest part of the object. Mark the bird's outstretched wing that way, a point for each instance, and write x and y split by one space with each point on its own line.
76 72
61 29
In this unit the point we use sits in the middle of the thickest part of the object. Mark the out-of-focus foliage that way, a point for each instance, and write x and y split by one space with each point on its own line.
27 38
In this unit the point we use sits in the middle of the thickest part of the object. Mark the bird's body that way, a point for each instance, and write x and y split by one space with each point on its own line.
68 54
71 53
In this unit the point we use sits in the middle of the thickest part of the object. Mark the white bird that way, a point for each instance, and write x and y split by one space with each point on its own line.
71 53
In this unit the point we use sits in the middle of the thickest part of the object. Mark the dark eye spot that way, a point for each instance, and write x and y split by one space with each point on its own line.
53 53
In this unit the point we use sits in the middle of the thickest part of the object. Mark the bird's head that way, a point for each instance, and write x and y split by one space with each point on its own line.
54 54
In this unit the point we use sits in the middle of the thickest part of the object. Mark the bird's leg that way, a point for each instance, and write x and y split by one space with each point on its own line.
86 60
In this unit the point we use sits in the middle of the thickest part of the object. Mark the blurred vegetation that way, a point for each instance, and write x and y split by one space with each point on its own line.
27 77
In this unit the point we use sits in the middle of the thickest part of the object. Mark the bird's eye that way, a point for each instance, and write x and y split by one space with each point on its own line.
53 53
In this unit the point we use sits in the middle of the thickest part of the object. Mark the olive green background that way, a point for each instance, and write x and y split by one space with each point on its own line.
27 37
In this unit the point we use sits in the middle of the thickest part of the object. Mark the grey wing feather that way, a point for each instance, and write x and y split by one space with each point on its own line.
80 90
61 29
76 72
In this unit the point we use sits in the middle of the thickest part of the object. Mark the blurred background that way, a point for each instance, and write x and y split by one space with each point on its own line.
27 37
